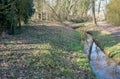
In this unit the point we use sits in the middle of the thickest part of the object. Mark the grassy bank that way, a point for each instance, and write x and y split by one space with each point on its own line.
43 52
107 41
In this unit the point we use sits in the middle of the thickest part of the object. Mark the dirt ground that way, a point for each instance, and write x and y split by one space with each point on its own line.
114 30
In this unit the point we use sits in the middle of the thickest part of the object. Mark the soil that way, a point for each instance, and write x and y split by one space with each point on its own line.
114 30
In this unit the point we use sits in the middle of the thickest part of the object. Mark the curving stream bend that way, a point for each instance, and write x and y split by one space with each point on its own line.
103 67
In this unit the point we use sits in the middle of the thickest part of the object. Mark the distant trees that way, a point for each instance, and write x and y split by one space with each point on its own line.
39 4
62 10
12 12
70 10
113 12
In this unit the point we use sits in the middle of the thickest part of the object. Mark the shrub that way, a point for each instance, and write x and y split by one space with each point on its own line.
113 12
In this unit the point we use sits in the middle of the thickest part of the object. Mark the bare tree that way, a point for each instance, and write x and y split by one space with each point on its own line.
62 10
93 12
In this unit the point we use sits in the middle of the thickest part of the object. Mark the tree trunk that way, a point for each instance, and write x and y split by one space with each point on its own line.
99 7
19 20
41 16
12 30
93 12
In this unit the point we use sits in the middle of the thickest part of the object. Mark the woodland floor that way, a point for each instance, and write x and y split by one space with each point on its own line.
44 52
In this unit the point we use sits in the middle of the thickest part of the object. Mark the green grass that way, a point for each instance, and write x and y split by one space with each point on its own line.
44 52
108 43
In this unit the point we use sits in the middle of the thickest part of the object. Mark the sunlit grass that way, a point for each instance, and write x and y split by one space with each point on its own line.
44 53
108 44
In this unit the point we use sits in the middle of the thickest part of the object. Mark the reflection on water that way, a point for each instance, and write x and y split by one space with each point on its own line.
104 67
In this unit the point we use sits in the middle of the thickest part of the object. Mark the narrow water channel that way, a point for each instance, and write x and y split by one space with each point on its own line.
103 67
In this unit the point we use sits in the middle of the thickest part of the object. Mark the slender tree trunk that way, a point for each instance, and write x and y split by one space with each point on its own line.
42 11
99 7
41 16
46 16
19 19
93 12
12 30
12 20
19 22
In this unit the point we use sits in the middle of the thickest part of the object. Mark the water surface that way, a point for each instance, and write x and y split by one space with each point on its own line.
104 67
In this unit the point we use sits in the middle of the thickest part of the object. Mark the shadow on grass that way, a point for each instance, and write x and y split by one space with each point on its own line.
58 37
43 52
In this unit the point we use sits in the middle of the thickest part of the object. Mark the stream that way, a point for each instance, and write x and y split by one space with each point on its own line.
102 66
